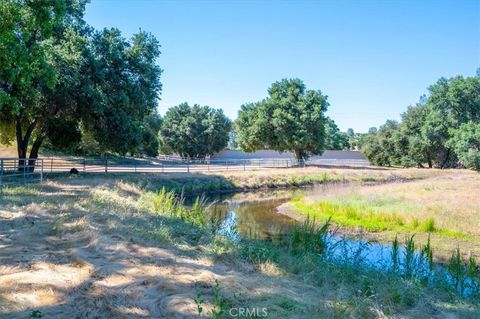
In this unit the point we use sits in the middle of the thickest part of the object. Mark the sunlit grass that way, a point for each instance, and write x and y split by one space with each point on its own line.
380 214
291 276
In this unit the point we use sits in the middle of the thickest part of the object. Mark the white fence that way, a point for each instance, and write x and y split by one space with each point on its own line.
158 165
338 162
14 171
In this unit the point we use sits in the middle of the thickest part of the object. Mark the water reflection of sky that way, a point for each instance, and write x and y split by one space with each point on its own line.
255 215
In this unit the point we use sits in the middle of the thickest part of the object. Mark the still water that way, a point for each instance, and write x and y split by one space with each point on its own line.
256 215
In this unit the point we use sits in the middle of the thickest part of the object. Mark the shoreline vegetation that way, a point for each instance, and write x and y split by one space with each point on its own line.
211 183
126 238
444 208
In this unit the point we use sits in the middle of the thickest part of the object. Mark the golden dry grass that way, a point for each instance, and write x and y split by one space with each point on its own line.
450 200
77 248
72 261
8 151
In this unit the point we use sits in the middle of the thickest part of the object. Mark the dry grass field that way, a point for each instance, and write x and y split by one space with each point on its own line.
93 247
8 152
444 207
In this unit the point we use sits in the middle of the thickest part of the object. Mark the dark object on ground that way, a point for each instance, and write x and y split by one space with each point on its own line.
74 171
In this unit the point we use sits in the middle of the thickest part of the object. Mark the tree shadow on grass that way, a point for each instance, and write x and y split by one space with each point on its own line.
68 262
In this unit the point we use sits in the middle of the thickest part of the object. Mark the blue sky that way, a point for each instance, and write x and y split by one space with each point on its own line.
372 58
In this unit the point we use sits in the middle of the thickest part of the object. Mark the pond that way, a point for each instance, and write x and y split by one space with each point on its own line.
256 215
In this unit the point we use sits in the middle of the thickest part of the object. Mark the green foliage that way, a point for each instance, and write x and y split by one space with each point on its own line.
457 271
358 140
291 118
232 139
466 144
379 148
440 131
36 314
410 257
308 237
395 255
150 144
26 31
473 272
464 276
25 28
426 253
194 131
168 203
119 103
415 263
59 78
334 139
371 216
63 135
429 225
220 303
198 300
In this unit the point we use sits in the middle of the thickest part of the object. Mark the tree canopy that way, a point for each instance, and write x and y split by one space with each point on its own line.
465 143
334 139
61 80
194 131
439 131
291 118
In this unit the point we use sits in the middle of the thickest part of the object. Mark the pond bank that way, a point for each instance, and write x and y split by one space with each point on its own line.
193 184
443 208
124 251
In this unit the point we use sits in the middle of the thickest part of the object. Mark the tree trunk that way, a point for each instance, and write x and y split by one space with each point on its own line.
430 165
34 153
445 160
23 141
299 157
21 145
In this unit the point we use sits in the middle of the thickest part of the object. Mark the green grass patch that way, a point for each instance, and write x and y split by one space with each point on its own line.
373 214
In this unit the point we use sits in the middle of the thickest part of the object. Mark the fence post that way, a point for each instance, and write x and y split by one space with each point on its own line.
1 175
244 163
24 171
51 165
188 166
41 171
84 164
227 165
163 170
106 164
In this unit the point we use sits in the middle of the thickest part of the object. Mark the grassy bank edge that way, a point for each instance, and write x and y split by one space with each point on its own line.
194 184
153 217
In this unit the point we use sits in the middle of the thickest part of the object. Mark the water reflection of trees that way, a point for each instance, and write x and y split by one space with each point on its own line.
254 219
